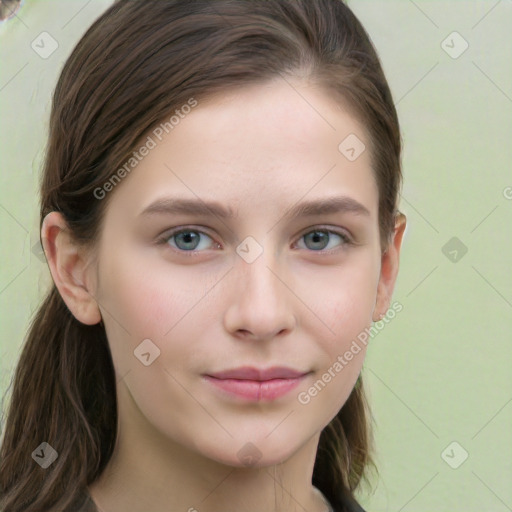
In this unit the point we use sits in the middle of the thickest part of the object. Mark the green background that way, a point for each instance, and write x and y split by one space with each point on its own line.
441 370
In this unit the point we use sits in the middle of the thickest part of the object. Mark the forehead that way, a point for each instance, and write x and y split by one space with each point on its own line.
278 116
259 143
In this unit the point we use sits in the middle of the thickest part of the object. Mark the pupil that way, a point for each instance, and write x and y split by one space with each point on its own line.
317 236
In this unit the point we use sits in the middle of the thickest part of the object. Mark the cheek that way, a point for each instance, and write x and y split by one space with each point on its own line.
154 301
148 297
349 297
344 299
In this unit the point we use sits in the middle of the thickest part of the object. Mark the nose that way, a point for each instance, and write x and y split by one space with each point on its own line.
261 302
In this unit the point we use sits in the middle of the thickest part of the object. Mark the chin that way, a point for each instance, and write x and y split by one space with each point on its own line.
262 451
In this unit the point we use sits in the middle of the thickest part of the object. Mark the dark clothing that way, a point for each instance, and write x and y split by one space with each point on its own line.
354 507
84 503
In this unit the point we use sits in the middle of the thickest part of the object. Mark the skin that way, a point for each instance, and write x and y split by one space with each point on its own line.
259 150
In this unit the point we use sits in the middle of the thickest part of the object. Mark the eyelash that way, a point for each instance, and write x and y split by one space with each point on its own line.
164 239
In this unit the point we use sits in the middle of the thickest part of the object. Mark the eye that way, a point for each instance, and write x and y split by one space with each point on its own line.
185 239
188 240
319 239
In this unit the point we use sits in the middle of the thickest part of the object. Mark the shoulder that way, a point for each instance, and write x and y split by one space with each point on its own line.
342 502
350 505
82 503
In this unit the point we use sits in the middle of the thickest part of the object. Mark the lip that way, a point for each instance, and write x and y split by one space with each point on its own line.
256 384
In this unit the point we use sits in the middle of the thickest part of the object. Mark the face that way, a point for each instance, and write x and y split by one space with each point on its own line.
259 287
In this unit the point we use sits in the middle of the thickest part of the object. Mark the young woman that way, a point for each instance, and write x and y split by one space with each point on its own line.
219 216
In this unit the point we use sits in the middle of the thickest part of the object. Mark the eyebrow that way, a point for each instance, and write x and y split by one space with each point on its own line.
329 205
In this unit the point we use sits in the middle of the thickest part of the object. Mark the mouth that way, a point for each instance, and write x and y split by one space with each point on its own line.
254 384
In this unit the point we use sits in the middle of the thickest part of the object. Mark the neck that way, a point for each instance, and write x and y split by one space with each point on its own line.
148 471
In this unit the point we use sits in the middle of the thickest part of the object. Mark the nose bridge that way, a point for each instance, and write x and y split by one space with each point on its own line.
259 282
261 304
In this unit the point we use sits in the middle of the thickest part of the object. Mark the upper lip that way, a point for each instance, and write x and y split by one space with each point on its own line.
252 373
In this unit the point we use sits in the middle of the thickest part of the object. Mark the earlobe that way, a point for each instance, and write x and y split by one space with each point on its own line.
389 269
69 267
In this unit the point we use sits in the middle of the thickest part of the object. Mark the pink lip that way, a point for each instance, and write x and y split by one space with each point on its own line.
257 384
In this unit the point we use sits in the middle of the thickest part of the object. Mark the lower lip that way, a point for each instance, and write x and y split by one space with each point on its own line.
256 390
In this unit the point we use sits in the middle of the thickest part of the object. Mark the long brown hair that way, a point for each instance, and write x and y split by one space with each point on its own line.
138 63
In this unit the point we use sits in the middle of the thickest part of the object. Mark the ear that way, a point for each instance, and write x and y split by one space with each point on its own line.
389 269
69 269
